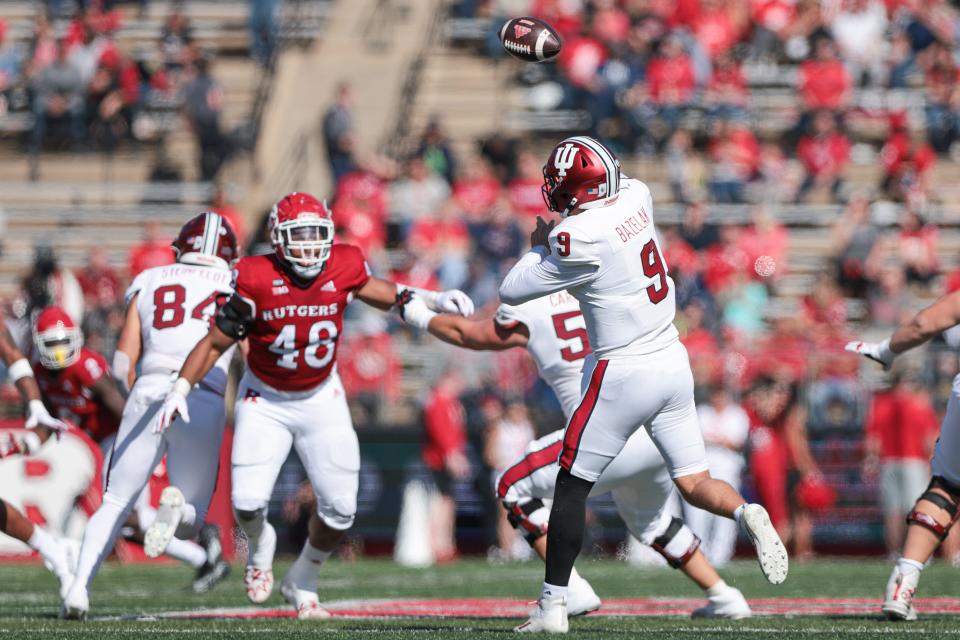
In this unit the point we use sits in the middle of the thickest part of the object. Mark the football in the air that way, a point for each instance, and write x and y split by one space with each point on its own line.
530 39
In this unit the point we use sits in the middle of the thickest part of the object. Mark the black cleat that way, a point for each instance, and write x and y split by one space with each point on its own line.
215 569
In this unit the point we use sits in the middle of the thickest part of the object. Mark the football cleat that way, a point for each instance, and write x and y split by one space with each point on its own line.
161 530
771 553
581 598
76 604
259 584
550 616
62 563
729 605
306 602
898 598
215 569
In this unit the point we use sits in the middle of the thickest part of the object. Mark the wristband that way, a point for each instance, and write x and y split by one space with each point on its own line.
428 297
416 314
886 354
19 369
182 386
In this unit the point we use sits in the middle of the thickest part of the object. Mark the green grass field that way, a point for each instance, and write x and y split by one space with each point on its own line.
29 602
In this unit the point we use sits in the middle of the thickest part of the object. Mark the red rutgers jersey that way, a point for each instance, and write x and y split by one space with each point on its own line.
294 334
68 391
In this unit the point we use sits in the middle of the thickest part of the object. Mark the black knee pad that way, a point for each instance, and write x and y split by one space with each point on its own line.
950 506
3 515
677 544
530 517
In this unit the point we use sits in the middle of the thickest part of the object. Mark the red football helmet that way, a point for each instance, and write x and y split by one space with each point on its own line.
207 240
57 337
301 229
579 170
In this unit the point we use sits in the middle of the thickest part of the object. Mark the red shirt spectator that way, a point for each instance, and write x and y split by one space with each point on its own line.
715 29
611 23
360 227
824 155
370 365
98 281
444 427
737 149
566 17
431 235
476 192
580 59
824 82
365 190
904 423
524 190
772 15
727 84
670 76
766 243
153 251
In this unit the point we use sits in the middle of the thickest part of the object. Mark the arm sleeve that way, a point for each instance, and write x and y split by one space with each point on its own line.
538 274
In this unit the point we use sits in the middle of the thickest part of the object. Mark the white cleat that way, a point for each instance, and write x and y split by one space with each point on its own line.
75 605
898 598
259 584
581 598
550 616
729 605
161 530
771 553
306 602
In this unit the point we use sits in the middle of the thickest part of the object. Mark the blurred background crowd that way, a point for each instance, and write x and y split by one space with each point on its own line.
802 158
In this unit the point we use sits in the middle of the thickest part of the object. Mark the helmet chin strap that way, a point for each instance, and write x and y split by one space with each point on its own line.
307 272
570 207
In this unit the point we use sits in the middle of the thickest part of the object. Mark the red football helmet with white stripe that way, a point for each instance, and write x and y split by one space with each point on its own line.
301 229
207 240
579 170
57 338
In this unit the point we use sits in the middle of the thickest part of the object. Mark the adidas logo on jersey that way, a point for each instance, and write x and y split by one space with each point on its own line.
329 286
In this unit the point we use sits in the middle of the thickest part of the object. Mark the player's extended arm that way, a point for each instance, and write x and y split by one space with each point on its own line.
415 306
105 390
129 344
39 420
232 323
938 317
478 335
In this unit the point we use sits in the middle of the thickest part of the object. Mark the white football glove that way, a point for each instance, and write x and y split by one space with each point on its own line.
38 416
455 301
877 351
175 404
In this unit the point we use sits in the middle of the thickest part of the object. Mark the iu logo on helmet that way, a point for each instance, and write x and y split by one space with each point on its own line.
564 158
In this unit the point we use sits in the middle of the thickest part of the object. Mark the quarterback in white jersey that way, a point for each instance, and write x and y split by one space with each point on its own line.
605 253
938 508
168 311
553 332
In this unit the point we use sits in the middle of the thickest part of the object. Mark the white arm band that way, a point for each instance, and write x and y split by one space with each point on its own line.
416 314
121 369
19 369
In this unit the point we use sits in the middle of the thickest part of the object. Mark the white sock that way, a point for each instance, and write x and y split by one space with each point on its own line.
552 591
50 550
305 570
738 512
98 538
186 551
907 566
718 588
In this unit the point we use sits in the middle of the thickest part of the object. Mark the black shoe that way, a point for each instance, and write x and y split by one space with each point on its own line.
215 569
